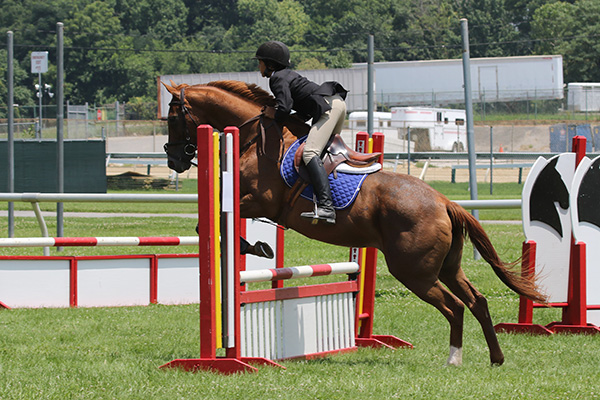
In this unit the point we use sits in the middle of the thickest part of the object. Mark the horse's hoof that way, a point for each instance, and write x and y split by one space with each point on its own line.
498 362
455 358
263 249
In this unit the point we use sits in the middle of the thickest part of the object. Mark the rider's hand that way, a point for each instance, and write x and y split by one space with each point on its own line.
269 112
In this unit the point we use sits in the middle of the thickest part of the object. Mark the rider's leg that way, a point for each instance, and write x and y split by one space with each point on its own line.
324 206
330 123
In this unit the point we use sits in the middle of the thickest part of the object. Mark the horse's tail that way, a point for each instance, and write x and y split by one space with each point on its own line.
522 283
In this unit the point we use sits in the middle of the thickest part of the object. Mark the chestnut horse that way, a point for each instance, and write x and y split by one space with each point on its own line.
418 229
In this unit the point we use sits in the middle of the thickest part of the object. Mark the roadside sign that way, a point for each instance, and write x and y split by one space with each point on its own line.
39 62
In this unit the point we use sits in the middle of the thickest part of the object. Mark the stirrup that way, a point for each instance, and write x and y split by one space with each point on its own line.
314 215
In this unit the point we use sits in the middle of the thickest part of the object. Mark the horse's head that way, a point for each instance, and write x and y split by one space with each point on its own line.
181 146
219 104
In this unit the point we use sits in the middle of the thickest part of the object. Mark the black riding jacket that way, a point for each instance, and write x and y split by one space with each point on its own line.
292 91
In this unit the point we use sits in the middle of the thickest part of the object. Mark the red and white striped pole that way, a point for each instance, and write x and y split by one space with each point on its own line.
305 271
99 241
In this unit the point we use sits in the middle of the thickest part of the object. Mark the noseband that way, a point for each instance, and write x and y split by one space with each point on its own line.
189 148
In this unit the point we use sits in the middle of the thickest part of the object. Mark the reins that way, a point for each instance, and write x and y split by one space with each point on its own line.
262 135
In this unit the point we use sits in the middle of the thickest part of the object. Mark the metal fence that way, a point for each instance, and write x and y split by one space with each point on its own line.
75 128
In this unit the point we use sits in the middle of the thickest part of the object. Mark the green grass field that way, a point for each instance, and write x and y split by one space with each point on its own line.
114 353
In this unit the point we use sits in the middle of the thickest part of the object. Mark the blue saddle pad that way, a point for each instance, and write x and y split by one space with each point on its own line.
344 188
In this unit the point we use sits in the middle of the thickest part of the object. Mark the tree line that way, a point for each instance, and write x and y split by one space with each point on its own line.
115 49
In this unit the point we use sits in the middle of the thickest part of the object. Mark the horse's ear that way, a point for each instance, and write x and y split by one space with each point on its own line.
171 88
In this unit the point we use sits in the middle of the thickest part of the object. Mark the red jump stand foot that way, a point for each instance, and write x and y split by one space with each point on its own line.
265 362
588 329
554 327
378 341
533 329
221 365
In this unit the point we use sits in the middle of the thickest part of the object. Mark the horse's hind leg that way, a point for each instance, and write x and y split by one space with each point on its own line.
458 283
448 304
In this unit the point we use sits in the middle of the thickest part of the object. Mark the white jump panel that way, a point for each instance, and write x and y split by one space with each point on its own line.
585 200
178 280
547 221
35 283
116 282
256 230
297 327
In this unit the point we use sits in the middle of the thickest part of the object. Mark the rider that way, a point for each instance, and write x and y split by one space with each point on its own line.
323 103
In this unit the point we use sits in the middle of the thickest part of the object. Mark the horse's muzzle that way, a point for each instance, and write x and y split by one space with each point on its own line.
178 165
180 156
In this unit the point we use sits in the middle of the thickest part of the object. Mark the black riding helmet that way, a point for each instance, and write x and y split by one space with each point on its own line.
274 51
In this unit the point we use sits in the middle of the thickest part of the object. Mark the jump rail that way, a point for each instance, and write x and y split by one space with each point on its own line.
98 198
36 198
305 271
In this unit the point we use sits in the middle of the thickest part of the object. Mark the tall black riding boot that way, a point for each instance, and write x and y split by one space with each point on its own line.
324 206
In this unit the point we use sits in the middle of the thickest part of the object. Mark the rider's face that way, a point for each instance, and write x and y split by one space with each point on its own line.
264 71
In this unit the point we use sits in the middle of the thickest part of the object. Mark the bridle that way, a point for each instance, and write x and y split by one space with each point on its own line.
189 148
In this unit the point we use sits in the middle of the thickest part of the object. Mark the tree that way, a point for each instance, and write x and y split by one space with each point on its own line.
426 30
165 20
491 33
521 16
262 20
22 92
211 13
571 30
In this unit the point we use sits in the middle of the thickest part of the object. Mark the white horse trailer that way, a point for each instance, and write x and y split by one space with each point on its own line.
357 120
432 128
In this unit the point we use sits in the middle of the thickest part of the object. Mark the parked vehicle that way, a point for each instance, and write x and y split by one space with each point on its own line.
432 128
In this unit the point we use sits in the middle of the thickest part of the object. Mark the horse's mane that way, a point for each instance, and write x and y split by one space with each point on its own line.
248 91
255 94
